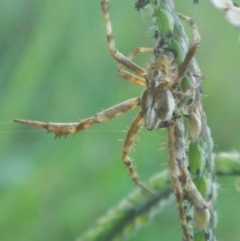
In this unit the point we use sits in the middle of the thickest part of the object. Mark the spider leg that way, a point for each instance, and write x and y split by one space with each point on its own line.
129 76
60 129
128 143
192 49
190 192
177 187
111 44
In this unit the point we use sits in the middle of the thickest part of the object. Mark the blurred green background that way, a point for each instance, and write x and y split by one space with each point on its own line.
55 66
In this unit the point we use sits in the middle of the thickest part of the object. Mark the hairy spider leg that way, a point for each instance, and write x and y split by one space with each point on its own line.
128 143
182 183
63 129
191 193
189 187
191 50
111 44
129 76
190 190
177 187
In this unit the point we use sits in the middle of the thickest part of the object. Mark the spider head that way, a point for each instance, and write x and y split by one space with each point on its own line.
162 71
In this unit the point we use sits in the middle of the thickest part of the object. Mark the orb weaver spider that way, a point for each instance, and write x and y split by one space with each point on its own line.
157 100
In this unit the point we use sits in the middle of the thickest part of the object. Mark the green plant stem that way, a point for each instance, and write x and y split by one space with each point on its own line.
139 208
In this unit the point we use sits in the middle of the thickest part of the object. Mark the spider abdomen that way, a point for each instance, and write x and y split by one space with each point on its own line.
157 106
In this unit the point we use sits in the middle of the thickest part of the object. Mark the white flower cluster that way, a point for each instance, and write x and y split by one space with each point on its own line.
231 11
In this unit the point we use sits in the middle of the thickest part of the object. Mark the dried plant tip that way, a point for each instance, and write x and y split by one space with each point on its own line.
231 10
233 16
222 5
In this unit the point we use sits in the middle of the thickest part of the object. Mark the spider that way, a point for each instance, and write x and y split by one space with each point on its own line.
157 101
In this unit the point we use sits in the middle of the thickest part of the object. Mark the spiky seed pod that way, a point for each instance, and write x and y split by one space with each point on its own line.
194 124
196 158
201 219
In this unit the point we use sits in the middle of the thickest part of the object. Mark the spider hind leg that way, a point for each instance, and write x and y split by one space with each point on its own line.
128 143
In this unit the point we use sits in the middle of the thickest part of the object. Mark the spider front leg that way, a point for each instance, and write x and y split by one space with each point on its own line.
177 187
129 76
128 143
191 50
126 62
63 129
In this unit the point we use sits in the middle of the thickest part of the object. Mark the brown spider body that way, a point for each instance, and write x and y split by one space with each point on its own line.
157 101
157 106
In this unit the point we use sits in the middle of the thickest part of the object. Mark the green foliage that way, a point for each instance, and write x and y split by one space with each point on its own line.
133 212
140 207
